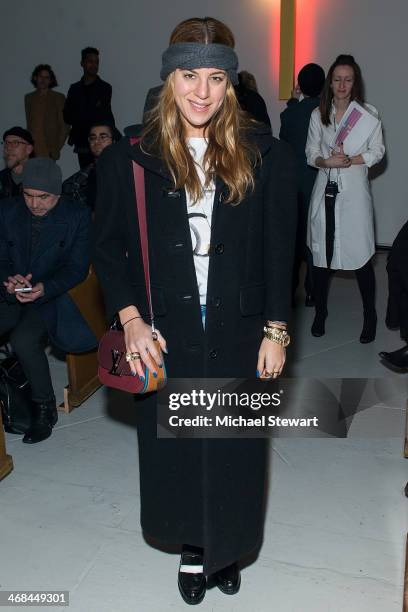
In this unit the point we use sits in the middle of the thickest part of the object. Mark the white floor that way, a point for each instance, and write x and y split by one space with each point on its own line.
336 521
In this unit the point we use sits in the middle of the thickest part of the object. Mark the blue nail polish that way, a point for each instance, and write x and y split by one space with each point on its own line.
155 374
160 365
165 351
142 378
257 373
133 373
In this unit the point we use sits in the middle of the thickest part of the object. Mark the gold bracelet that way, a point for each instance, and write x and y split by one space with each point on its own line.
280 336
276 324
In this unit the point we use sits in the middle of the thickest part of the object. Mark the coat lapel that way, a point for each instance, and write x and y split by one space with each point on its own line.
51 234
22 236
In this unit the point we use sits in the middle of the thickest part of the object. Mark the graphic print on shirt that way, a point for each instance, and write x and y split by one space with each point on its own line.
199 218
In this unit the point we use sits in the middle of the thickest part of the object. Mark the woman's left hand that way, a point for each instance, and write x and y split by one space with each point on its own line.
271 359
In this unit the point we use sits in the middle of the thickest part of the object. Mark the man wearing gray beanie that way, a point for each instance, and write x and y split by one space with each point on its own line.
46 239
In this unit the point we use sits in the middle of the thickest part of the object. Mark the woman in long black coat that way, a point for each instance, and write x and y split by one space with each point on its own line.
206 495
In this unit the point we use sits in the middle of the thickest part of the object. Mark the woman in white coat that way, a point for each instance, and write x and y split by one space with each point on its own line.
354 244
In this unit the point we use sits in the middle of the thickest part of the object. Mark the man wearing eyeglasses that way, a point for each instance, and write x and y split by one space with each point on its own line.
44 252
18 146
81 186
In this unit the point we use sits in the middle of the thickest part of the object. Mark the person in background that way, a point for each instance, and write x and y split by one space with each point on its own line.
341 218
250 100
294 128
81 186
397 307
18 147
43 108
44 252
88 102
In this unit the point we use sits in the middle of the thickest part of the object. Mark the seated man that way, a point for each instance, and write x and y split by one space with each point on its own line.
18 147
44 252
81 186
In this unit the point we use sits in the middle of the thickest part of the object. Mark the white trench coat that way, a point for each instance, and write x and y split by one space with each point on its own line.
354 242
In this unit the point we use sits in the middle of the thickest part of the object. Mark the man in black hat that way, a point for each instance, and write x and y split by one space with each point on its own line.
44 252
18 146
295 121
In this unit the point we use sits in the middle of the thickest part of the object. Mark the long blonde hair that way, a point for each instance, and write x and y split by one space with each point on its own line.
229 155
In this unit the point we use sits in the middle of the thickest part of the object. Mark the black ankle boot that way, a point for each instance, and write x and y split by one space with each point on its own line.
318 328
45 416
369 328
192 583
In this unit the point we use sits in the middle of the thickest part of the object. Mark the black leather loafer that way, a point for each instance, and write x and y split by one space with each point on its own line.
397 359
192 585
228 580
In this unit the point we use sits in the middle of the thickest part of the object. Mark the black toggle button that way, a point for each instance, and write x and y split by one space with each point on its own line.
219 248
178 244
214 353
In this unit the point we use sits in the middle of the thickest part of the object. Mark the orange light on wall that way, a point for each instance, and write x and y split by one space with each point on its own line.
294 40
305 29
287 48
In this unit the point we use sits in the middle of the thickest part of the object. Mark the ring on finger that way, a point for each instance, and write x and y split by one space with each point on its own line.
132 356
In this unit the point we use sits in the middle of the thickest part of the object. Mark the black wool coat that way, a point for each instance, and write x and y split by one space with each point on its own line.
204 492
85 106
397 268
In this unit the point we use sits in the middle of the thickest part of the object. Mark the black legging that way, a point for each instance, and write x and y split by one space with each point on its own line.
366 283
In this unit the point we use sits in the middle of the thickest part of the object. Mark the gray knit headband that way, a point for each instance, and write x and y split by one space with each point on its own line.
199 55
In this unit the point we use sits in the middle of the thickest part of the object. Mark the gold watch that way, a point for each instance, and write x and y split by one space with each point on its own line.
280 336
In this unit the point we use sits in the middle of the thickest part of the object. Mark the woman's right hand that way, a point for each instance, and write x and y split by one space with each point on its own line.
338 159
138 339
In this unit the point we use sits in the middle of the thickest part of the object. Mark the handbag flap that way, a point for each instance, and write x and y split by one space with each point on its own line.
112 353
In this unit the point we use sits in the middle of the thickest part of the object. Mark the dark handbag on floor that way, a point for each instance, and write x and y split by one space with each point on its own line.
15 396
113 369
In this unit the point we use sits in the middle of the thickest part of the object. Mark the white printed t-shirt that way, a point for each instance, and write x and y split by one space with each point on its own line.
199 218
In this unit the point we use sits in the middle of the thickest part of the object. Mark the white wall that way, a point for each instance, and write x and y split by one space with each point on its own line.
131 35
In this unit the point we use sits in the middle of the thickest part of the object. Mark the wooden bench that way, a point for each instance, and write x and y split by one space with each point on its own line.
6 462
82 368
